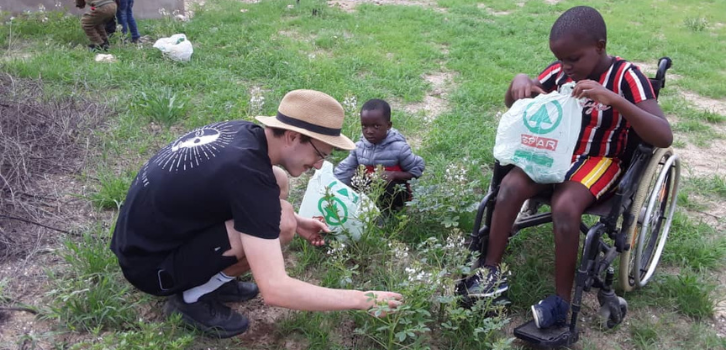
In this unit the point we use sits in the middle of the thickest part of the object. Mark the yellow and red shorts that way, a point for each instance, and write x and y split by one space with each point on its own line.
598 174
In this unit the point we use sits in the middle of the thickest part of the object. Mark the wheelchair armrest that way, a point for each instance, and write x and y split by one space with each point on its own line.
498 174
629 181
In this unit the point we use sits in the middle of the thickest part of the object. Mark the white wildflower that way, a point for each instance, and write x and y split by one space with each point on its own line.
257 101
350 103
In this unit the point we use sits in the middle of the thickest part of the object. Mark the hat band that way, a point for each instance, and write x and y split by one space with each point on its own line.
307 126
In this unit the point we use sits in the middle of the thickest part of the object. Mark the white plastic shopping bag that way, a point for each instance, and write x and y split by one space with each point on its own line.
343 209
176 47
540 134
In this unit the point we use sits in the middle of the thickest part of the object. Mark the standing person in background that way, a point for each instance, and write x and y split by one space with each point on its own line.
94 21
126 19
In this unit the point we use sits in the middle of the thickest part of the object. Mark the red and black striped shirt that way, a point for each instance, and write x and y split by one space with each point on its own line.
604 133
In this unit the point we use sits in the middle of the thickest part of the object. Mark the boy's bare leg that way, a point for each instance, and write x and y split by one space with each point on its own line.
568 204
516 187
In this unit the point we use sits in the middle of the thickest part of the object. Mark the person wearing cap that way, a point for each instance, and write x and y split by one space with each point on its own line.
207 208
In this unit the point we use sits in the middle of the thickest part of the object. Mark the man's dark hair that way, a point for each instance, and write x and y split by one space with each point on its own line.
277 132
582 21
378 105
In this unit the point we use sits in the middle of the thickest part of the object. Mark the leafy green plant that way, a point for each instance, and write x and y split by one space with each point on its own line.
112 189
445 200
95 296
644 333
142 336
691 294
696 24
162 105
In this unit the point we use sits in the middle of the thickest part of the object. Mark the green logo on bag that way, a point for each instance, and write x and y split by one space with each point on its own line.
333 209
541 121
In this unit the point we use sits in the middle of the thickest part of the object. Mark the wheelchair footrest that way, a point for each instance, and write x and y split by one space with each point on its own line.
550 337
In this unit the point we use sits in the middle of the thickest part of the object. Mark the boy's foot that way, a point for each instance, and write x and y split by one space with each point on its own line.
208 315
487 282
236 291
552 311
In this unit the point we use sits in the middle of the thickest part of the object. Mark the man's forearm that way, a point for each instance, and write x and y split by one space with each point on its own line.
295 294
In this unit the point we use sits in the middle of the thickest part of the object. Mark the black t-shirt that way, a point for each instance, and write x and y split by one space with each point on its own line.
210 175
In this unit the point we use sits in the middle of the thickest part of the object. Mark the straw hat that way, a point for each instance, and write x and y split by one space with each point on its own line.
311 113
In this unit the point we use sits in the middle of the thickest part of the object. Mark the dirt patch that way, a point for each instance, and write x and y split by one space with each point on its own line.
350 5
719 314
650 69
701 162
493 12
705 103
44 146
43 142
552 2
435 102
263 321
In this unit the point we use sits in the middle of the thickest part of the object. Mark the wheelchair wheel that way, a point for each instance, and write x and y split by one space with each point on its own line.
653 206
609 317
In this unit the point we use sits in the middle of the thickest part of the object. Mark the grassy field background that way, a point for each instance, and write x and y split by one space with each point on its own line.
444 66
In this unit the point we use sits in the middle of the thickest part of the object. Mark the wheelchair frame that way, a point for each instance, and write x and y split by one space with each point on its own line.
624 218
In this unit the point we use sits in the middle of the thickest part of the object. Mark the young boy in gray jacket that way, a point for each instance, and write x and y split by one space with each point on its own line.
382 145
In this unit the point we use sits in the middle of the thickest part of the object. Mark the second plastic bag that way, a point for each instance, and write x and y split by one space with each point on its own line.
343 210
539 135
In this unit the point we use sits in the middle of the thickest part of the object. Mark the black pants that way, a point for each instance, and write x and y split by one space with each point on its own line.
111 26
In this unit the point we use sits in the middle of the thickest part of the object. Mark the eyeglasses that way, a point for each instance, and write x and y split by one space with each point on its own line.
320 154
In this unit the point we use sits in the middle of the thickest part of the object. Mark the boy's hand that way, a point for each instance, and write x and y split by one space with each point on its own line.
390 176
594 91
524 87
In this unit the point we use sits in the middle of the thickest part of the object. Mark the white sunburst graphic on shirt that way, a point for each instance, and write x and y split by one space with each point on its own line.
196 147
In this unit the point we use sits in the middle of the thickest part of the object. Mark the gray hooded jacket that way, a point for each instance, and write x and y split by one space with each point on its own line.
393 150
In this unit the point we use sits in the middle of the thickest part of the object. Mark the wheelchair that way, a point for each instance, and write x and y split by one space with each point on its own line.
633 225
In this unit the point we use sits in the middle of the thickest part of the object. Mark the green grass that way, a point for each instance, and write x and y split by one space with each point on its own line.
244 62
111 189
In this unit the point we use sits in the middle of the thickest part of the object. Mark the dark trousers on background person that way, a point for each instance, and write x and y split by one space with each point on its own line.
94 22
111 27
125 18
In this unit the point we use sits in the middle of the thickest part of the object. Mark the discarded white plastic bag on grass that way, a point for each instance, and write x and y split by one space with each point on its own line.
342 209
540 134
176 47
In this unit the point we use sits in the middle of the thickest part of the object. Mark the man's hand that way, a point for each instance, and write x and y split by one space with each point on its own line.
383 303
310 230
594 91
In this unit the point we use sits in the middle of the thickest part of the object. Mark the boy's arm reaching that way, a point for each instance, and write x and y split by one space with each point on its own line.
522 86
412 165
645 117
345 170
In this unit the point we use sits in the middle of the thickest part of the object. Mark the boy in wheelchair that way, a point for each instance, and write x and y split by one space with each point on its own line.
623 100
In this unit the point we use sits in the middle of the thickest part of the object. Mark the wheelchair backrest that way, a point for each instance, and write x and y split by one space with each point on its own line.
658 82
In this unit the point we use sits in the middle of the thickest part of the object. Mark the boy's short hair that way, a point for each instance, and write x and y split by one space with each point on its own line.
582 21
378 105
